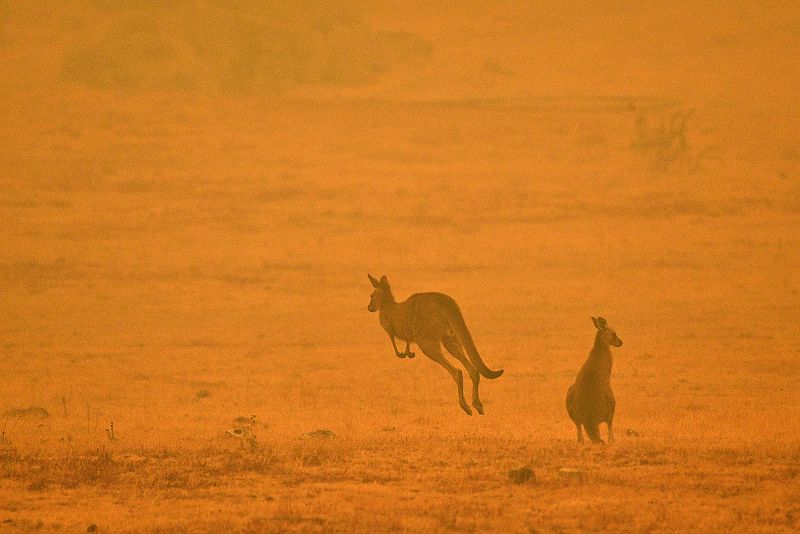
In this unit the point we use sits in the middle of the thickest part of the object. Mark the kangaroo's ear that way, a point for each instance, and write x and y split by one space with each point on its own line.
384 281
594 320
373 281
601 323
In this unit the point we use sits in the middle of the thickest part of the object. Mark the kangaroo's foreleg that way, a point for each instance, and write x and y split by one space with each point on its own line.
454 347
433 350
397 352
408 352
610 423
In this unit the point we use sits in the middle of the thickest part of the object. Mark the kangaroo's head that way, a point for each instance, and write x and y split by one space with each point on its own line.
605 333
382 293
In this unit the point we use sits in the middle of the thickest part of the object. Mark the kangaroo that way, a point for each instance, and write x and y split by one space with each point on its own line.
590 400
431 320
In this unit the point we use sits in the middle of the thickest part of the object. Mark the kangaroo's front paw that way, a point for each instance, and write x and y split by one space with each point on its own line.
400 354
410 355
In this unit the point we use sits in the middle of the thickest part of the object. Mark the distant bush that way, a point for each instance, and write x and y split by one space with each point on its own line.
232 46
663 141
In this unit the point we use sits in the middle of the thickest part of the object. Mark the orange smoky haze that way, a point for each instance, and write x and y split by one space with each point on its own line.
192 195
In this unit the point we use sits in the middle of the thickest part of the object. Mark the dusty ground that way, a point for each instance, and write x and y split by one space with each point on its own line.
174 259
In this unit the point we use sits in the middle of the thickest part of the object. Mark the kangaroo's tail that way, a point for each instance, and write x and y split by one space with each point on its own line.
571 407
459 328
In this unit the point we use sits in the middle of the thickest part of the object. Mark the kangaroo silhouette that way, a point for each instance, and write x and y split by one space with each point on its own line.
590 400
431 320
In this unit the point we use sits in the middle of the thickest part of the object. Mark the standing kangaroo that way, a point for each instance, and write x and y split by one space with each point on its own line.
431 320
590 400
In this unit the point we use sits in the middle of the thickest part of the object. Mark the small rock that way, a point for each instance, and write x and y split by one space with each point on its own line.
521 475
91 528
632 433
570 472
320 434
203 393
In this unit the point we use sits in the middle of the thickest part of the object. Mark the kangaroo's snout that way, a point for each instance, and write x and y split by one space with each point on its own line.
374 302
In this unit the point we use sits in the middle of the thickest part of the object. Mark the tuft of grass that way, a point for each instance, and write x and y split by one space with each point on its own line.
38 484
315 452
261 459
30 411
96 467
521 475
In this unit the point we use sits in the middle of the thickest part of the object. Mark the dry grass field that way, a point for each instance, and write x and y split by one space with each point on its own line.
188 216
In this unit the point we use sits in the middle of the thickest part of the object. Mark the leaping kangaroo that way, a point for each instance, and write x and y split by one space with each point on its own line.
431 320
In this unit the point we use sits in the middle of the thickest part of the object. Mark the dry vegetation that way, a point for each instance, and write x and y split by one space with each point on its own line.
185 255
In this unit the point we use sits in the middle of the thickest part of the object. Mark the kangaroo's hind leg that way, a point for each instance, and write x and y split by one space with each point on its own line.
454 347
612 407
593 431
432 350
